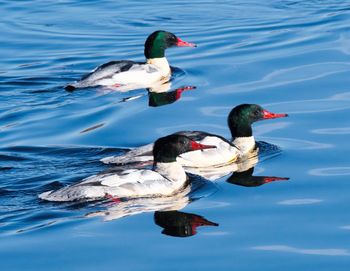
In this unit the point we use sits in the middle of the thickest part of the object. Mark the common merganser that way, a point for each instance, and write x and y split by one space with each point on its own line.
131 75
166 178
180 224
240 122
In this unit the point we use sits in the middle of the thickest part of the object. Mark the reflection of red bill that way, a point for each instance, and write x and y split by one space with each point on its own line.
273 179
200 221
182 89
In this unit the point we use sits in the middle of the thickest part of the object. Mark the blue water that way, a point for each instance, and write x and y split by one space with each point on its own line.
288 56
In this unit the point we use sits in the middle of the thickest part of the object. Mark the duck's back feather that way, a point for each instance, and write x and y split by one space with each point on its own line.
104 72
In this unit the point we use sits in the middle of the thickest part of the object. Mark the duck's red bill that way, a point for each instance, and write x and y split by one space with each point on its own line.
270 115
182 43
198 146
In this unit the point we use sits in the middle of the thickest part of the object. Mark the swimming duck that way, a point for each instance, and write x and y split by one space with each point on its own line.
166 178
131 75
240 122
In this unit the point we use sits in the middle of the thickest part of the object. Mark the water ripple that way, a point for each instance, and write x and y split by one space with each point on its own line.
315 251
290 56
288 76
299 201
336 102
330 171
332 131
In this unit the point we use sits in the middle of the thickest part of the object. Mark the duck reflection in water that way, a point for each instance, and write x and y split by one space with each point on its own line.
174 222
156 99
180 224
246 178
160 94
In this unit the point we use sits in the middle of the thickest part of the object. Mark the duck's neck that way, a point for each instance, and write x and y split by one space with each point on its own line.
162 64
244 144
173 171
242 137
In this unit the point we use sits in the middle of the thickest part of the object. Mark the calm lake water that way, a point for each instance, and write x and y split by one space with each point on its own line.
289 56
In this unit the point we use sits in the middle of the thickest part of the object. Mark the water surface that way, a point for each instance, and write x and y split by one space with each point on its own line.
289 56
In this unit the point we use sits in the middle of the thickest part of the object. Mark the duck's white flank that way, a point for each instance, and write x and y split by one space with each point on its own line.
138 74
166 180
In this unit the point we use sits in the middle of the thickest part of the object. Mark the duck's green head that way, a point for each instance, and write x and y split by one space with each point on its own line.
160 40
242 117
167 148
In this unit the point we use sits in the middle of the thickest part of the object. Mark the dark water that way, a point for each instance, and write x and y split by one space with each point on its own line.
289 56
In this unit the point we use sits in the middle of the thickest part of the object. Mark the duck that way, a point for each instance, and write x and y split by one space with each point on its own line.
127 74
165 179
240 121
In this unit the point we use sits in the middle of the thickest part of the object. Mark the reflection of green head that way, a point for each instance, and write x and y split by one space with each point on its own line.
158 99
180 224
163 98
157 42
246 178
